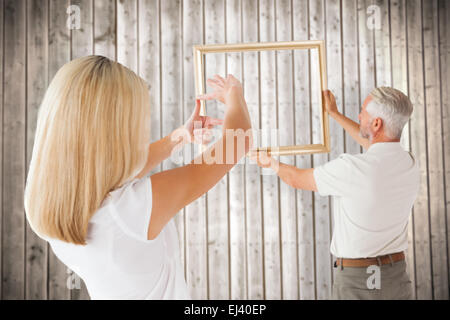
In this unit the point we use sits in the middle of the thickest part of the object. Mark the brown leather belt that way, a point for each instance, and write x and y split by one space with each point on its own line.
365 262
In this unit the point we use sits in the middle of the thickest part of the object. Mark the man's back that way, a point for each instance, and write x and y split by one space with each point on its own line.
373 196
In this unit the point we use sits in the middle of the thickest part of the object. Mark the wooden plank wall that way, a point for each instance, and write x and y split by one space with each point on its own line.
251 236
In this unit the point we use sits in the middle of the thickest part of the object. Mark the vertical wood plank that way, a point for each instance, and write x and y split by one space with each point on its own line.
286 116
82 44
37 77
321 204
247 256
170 63
172 115
302 97
351 99
195 233
418 147
237 209
366 51
104 24
2 17
105 28
382 46
218 263
400 82
149 62
14 127
255 234
195 241
83 38
399 63
335 76
444 49
434 145
180 218
58 55
270 184
334 70
127 46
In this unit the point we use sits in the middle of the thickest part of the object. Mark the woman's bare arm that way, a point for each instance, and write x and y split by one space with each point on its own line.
174 189
162 149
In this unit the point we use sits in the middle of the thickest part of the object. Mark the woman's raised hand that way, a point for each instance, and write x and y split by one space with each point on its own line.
222 87
199 127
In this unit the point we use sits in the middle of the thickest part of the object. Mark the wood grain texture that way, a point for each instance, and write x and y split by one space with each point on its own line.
105 28
180 218
149 62
218 264
172 112
444 52
37 82
419 148
351 81
237 209
82 39
334 71
321 204
2 19
196 212
251 236
254 214
286 116
127 29
58 55
399 70
382 45
82 44
367 72
434 146
269 120
14 136
302 94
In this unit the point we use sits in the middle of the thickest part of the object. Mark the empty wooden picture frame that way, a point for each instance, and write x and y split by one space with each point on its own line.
199 64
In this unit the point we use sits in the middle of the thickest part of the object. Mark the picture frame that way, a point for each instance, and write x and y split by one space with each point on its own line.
199 65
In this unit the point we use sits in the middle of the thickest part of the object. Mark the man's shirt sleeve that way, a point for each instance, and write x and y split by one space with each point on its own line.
334 178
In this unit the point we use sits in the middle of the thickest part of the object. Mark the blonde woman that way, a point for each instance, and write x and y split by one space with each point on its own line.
88 192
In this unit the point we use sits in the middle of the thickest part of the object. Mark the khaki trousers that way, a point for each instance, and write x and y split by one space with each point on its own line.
360 283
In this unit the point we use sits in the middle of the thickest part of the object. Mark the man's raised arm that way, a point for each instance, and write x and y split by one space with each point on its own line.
350 126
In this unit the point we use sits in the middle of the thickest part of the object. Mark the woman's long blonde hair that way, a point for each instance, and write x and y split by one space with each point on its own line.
92 136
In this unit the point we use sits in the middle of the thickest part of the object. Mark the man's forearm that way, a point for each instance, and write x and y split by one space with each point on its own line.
295 177
351 127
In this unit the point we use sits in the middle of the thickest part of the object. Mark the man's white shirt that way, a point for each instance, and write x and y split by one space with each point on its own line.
373 194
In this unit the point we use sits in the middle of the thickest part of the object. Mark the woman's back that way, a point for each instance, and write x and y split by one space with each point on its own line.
118 261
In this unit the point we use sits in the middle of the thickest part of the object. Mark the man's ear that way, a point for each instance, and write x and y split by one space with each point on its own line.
377 124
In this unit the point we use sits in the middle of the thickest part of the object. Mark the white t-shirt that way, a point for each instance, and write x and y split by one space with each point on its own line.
119 262
373 196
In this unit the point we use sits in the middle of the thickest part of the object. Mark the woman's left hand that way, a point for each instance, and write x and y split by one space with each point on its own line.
200 134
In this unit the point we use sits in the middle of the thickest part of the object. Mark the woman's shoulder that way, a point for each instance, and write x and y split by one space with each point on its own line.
128 191
128 207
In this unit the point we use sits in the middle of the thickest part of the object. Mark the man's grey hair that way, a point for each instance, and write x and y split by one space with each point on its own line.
393 107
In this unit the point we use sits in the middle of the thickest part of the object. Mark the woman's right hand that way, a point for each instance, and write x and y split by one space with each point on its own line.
222 87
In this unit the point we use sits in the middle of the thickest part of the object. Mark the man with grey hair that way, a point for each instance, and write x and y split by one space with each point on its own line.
373 194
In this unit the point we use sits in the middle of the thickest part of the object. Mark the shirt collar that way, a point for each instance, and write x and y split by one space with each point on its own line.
385 146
